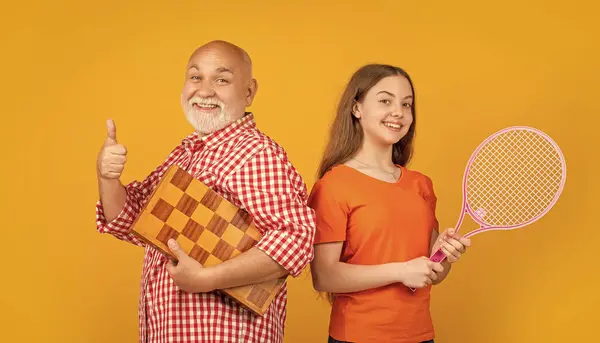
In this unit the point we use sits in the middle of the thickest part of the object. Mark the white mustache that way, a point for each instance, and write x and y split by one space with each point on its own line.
205 101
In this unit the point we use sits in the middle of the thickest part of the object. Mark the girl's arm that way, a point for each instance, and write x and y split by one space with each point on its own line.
333 276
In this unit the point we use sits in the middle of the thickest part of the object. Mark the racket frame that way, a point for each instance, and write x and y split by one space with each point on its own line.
439 255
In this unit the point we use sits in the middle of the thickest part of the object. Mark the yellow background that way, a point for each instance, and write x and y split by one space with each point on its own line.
66 66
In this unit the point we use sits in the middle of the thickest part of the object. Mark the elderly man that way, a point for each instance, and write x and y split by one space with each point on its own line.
229 154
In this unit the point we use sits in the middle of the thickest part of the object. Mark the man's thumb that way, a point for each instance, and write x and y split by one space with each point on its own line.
111 131
176 249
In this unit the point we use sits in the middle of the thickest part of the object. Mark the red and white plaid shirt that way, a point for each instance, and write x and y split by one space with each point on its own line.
252 171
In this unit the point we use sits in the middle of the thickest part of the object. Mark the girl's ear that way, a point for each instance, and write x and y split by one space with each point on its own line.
356 110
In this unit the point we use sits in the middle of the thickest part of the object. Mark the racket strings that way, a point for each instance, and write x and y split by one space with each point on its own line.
514 178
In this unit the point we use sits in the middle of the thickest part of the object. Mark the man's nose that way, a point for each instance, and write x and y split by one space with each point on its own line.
205 89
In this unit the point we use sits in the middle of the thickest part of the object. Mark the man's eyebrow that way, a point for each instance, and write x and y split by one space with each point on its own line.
219 70
224 70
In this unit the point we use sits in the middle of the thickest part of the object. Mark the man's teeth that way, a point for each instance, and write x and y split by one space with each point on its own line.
394 126
207 106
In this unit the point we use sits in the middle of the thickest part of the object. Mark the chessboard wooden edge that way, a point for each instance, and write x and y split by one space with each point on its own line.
259 310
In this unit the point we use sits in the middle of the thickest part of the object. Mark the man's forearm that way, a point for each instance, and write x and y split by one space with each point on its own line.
113 196
250 267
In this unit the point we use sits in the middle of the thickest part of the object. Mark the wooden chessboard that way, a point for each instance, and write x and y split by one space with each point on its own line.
209 229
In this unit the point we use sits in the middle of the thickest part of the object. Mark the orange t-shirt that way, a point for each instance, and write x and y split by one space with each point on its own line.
379 222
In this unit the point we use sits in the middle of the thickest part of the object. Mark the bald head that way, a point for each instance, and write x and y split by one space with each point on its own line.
218 86
235 55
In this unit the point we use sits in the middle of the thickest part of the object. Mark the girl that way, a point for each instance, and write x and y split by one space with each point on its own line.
376 223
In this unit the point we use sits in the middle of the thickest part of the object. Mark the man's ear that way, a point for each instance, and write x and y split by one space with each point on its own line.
251 92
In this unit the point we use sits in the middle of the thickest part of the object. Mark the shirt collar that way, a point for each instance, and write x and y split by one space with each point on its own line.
194 140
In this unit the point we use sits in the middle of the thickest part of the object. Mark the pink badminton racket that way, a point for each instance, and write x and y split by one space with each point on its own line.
512 179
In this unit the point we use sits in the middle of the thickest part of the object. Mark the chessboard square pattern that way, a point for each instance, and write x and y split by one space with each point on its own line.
149 225
246 243
226 210
241 220
162 210
235 253
185 244
199 254
177 220
187 204
196 190
212 261
170 193
211 200
253 232
192 230
167 233
181 179
167 215
208 241
222 251
217 225
232 235
202 215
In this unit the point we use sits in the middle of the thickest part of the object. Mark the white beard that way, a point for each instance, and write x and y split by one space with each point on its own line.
206 123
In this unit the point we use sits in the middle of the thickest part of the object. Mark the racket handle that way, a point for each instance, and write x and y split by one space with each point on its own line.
438 257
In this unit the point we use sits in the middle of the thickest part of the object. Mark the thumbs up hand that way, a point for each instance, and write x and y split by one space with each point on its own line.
112 156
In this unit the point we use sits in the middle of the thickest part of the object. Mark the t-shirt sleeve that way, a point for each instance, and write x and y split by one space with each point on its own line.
331 212
431 200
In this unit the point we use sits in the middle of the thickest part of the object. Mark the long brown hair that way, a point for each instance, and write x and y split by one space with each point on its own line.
346 134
